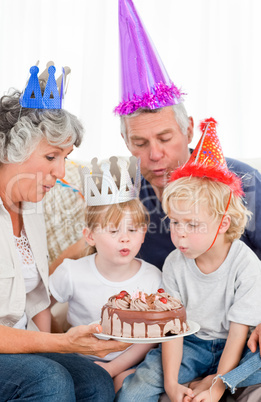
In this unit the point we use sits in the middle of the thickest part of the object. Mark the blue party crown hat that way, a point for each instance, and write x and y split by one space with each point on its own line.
51 99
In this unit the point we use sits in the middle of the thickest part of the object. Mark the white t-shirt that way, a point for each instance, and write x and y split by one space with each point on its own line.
86 290
231 293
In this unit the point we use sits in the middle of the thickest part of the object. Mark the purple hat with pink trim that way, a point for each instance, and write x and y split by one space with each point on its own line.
144 81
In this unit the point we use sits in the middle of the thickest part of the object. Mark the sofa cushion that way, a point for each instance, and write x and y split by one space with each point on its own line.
64 211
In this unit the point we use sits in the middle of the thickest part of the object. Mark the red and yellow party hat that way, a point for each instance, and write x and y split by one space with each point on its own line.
207 160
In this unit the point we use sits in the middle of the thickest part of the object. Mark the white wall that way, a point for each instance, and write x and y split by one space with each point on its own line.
211 48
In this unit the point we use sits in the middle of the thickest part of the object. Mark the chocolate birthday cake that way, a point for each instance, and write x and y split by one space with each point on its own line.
143 316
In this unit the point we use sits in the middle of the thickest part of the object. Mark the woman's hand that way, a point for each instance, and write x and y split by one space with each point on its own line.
80 339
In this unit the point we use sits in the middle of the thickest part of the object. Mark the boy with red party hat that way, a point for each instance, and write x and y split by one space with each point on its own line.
216 276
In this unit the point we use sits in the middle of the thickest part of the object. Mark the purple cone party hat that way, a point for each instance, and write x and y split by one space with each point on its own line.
144 81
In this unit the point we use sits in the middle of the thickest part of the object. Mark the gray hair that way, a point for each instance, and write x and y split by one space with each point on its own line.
22 129
179 111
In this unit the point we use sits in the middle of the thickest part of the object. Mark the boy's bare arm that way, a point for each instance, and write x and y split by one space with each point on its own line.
127 359
171 359
232 352
43 320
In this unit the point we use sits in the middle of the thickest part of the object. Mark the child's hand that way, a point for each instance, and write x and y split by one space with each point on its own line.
201 385
255 339
177 392
206 390
204 396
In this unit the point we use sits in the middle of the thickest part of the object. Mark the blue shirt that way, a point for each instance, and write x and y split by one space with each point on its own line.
158 244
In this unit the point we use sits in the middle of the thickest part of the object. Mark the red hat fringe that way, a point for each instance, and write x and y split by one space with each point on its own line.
203 124
210 172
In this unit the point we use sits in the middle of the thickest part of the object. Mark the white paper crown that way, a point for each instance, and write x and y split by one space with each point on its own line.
114 182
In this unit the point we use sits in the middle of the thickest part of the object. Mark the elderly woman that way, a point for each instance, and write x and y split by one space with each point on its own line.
35 364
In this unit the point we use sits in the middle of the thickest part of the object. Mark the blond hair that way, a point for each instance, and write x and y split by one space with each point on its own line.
104 215
215 195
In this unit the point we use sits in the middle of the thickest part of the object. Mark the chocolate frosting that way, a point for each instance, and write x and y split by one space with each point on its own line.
156 309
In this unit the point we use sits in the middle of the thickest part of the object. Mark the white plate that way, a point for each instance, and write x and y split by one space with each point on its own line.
194 327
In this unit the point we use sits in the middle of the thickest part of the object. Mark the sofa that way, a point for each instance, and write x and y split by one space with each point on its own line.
64 208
